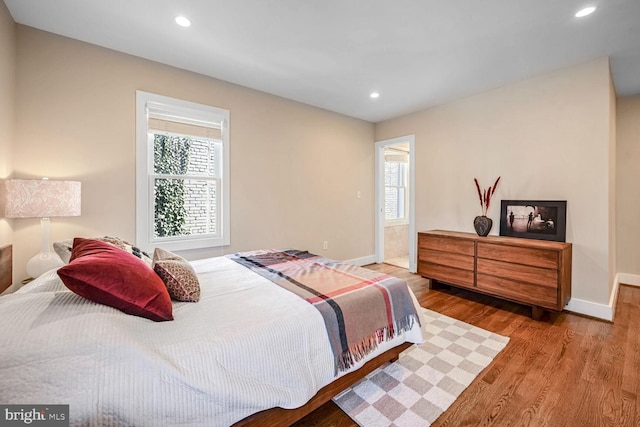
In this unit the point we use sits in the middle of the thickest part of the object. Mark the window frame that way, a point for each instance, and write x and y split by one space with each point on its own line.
145 174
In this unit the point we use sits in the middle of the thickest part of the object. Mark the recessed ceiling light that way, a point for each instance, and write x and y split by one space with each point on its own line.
374 95
183 21
586 11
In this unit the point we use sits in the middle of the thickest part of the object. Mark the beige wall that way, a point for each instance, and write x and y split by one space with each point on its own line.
295 169
7 97
548 137
628 185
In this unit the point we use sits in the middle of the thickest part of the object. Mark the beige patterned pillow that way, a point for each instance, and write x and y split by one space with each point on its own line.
178 276
160 254
126 246
64 247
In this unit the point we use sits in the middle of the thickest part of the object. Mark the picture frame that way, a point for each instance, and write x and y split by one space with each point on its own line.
534 219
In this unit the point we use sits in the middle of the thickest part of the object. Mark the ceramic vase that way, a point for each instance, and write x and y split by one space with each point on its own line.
482 224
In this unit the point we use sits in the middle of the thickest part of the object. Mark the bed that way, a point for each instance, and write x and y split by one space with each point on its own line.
249 352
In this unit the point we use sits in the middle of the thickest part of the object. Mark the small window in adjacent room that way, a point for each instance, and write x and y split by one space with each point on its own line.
395 182
182 173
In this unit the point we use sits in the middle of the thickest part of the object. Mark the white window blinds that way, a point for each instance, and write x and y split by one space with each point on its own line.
182 121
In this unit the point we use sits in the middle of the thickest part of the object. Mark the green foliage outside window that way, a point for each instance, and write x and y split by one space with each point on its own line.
170 156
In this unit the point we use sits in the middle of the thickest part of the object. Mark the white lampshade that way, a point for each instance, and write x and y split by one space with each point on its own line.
31 198
42 198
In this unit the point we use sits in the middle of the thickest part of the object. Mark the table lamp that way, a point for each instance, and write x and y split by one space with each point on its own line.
42 198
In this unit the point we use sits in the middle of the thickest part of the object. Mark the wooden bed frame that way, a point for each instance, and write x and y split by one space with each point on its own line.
6 269
285 417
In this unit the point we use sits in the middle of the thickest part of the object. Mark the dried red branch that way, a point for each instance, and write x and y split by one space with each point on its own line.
485 196
479 192
495 185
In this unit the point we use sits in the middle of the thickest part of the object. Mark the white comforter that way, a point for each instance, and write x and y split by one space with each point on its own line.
248 345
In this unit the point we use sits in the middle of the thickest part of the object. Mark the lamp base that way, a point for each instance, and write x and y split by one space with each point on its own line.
43 262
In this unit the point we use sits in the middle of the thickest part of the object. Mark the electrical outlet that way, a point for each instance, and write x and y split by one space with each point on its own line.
325 245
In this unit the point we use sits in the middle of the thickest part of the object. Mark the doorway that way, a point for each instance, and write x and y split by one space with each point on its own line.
395 199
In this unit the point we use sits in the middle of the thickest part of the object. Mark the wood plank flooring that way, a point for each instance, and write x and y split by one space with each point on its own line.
565 370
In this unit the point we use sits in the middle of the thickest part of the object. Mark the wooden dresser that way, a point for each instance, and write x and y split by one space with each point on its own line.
526 271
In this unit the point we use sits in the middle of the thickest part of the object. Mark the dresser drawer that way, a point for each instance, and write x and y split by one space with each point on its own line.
519 255
450 259
542 296
446 244
522 273
443 273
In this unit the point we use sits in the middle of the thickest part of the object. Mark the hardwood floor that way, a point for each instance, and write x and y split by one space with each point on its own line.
565 370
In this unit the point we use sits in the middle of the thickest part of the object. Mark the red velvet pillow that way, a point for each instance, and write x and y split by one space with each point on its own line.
103 273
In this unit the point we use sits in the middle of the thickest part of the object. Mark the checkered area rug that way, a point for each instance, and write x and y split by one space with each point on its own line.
426 379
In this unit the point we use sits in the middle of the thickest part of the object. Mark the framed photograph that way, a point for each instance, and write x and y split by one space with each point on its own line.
534 219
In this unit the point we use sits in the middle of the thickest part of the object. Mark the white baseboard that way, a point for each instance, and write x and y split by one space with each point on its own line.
601 311
588 308
629 279
371 259
593 309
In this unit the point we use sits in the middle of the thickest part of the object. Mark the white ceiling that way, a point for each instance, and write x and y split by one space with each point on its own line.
333 53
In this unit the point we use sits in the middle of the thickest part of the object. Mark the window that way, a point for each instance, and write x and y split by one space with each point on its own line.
395 185
182 173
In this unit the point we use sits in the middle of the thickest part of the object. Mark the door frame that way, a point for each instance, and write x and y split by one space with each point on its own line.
379 197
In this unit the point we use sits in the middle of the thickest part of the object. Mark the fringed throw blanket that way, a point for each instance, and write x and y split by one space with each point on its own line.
361 308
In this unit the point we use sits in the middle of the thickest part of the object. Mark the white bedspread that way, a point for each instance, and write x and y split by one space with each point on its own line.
248 345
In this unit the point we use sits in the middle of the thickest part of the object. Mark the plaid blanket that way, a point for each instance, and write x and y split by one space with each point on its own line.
361 308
